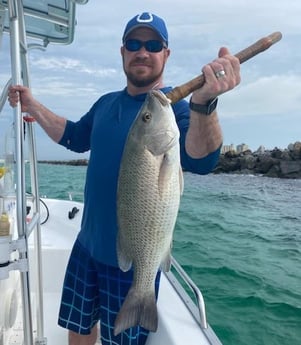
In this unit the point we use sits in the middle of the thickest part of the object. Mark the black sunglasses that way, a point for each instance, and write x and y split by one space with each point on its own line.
152 46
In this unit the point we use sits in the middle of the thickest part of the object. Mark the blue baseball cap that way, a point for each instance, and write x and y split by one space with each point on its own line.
147 20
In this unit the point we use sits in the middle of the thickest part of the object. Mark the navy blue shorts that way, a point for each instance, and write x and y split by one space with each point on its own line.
93 291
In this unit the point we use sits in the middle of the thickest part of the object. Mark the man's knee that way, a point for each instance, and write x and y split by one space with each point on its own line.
79 339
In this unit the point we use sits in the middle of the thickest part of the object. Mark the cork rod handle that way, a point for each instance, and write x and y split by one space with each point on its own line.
261 45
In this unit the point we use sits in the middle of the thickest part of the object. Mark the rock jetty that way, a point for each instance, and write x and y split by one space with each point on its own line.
275 163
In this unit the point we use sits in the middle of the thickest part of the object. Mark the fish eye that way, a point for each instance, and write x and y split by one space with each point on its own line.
147 116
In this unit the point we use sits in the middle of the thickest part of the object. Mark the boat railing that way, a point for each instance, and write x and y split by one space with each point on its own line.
201 317
183 284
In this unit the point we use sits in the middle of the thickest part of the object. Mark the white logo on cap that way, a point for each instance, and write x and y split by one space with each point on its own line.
148 20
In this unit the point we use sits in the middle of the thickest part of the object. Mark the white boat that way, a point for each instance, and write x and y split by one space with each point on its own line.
34 256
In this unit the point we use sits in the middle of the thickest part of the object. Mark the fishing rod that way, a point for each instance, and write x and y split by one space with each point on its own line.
261 45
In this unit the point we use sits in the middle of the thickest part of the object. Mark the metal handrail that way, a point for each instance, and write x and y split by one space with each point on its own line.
20 178
40 339
196 291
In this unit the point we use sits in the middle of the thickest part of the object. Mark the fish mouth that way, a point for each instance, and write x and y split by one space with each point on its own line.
160 97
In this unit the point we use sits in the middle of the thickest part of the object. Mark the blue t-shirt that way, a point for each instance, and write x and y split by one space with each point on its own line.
103 131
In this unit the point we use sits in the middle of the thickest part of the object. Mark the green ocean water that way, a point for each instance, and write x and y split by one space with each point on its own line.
239 238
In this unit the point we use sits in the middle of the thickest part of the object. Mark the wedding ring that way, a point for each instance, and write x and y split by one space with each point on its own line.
220 74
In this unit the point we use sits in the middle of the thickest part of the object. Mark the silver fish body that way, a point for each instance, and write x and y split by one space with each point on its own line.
149 187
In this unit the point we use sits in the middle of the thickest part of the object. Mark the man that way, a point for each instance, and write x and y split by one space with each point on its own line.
94 286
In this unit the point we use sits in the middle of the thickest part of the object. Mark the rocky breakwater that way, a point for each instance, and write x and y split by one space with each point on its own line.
275 163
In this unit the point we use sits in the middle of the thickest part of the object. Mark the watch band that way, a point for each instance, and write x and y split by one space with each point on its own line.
205 109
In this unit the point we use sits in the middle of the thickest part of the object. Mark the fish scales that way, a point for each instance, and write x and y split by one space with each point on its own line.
149 187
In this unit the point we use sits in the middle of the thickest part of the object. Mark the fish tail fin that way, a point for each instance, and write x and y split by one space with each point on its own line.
136 311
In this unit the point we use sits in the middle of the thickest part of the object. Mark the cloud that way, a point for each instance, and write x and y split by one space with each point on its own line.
52 63
69 64
268 95
58 87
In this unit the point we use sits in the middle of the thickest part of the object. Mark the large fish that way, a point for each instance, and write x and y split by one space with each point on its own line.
149 187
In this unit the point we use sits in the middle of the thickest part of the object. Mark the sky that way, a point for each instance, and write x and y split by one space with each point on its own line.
265 109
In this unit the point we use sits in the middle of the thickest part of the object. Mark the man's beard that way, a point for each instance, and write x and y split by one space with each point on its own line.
142 82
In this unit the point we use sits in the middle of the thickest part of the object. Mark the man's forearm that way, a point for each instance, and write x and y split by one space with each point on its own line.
52 124
204 135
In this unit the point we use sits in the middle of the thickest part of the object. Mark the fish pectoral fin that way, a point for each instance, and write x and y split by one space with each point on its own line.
137 310
124 260
165 173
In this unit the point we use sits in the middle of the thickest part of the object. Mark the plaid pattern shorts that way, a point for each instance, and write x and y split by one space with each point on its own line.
93 291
